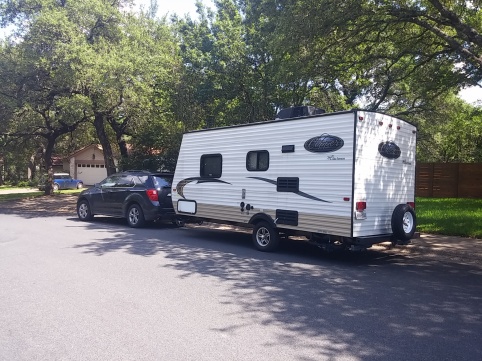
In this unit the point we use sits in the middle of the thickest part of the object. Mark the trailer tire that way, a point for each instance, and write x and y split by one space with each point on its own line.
404 222
265 237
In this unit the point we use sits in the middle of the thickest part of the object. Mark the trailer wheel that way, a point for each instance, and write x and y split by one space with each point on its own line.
265 237
404 222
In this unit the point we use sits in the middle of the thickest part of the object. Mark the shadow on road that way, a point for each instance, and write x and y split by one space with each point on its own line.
377 305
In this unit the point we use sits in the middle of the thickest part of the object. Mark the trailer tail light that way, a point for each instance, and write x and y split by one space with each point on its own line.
411 204
360 210
152 195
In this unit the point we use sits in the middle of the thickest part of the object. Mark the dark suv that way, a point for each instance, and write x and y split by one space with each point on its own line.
138 196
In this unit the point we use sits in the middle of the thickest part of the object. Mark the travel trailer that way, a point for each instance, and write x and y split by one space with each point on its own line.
340 179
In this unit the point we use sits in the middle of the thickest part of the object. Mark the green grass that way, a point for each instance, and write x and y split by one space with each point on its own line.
7 187
450 216
14 196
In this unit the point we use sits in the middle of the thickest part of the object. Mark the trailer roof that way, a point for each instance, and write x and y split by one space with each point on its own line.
291 119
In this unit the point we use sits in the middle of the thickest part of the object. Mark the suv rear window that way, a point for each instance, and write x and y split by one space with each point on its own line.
162 181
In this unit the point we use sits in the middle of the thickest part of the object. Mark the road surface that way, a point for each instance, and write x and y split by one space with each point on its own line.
102 291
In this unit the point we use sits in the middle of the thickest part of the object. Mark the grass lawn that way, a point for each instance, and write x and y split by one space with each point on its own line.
450 216
12 196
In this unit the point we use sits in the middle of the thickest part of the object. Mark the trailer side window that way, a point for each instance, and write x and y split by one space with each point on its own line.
211 165
257 160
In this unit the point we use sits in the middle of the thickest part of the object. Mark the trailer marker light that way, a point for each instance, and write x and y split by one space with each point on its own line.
360 118
361 210
361 206
346 199
411 204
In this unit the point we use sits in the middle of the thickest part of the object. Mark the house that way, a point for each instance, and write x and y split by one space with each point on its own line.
87 164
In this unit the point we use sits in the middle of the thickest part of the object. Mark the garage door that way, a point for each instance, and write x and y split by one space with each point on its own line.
91 173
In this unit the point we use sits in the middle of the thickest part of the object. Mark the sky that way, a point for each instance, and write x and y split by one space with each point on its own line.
179 7
472 95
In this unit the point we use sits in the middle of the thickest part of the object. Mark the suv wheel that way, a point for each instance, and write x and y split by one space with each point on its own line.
83 211
135 216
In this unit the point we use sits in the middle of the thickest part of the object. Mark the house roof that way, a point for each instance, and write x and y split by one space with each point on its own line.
92 146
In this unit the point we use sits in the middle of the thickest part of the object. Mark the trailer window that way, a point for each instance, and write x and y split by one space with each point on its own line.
257 161
211 165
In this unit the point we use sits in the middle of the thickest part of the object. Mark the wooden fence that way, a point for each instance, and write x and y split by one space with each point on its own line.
449 180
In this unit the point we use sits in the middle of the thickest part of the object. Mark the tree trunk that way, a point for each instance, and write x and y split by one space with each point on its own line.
48 165
123 148
32 168
104 141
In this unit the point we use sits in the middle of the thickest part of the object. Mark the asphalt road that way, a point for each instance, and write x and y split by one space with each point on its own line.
102 291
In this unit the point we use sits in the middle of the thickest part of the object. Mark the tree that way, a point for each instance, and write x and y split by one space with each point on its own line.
373 47
450 132
44 101
110 65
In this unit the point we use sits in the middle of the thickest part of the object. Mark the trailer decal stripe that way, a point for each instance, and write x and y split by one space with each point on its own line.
300 193
180 186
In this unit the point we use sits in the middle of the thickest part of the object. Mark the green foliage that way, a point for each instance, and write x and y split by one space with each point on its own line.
75 71
450 131
155 146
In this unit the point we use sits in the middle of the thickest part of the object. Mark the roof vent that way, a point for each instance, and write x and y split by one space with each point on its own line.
296 112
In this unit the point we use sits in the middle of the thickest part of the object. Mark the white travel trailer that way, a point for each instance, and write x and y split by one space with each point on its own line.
345 178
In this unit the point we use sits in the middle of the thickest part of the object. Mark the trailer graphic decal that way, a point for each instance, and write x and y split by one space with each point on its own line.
180 186
324 143
389 150
300 193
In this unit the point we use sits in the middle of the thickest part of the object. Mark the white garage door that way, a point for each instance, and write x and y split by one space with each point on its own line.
91 173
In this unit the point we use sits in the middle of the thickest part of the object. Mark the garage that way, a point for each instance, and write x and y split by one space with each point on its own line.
91 173
88 165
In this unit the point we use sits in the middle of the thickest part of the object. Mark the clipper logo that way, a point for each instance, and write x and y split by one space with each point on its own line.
389 150
324 143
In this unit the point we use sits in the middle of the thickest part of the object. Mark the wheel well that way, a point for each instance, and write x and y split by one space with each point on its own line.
85 200
259 217
128 205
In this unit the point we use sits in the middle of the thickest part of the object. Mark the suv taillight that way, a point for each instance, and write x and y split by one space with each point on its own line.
153 195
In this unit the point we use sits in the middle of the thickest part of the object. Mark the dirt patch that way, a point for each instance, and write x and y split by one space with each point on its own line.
43 206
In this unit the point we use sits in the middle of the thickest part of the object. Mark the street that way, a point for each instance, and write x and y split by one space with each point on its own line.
102 291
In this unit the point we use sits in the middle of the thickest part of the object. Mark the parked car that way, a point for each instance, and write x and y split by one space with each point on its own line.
138 196
62 181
